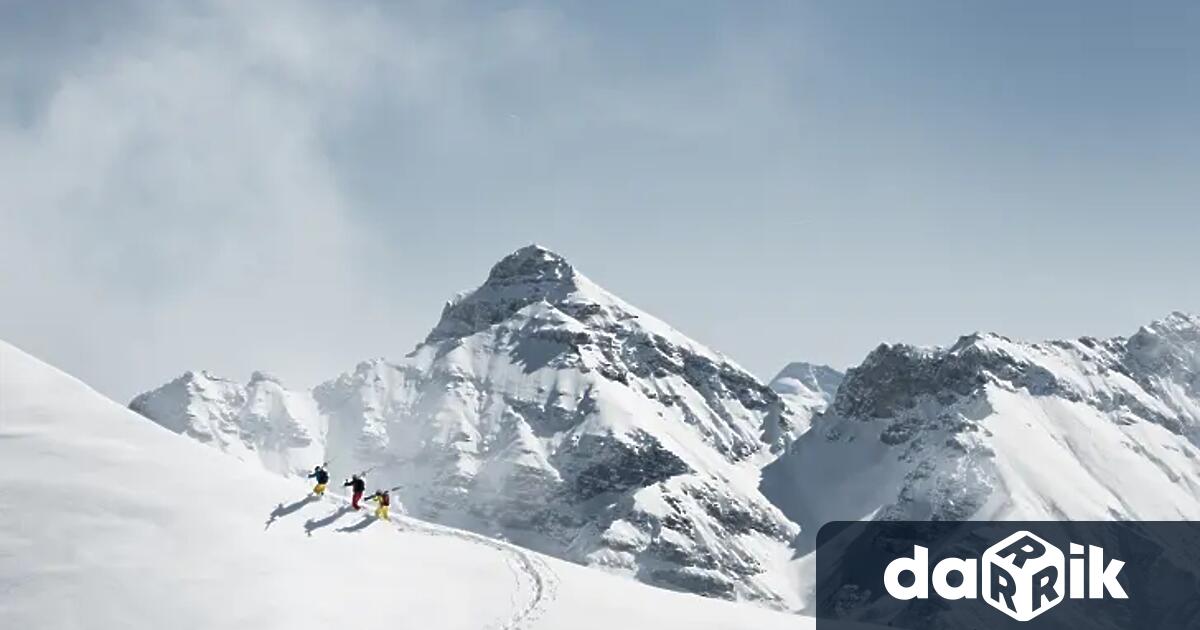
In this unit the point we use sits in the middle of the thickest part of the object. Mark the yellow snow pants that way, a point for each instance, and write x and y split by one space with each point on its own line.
381 512
319 489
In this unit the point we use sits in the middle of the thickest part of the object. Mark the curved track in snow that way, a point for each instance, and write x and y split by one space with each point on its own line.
530 573
535 583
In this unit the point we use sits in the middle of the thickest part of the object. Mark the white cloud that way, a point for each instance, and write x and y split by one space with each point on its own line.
177 192
184 193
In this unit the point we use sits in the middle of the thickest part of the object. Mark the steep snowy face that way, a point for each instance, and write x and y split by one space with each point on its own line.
543 409
807 389
995 428
535 294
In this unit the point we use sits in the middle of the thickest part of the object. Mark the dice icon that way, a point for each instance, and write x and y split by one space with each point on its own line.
1023 576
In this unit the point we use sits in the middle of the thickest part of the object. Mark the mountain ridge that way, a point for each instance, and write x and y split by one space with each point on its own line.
993 428
543 409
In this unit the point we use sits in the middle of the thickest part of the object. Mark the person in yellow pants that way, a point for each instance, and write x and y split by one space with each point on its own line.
383 501
322 476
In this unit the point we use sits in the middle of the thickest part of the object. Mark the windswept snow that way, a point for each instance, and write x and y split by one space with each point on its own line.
108 521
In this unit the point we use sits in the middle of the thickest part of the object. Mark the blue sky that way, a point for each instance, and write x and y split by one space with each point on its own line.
297 186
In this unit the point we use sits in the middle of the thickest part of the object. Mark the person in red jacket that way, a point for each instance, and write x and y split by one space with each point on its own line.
357 487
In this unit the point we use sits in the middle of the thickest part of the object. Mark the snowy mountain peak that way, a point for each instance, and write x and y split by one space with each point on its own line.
1167 355
529 275
1173 330
548 410
896 377
807 389
980 342
821 380
531 264
1177 321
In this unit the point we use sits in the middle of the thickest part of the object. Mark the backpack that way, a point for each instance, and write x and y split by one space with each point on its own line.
385 499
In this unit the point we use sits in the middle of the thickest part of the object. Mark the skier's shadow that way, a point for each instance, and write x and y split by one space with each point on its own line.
359 526
282 510
313 524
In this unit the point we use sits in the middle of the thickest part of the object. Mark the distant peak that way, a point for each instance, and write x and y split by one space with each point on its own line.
532 263
1174 328
199 376
526 276
819 379
979 342
259 376
803 370
1177 321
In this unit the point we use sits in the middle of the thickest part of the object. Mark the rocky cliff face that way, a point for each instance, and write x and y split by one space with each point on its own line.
543 409
994 428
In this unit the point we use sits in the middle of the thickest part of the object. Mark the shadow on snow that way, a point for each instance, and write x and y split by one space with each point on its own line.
359 526
313 524
282 510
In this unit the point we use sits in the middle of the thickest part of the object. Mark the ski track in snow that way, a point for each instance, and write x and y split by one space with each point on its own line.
540 580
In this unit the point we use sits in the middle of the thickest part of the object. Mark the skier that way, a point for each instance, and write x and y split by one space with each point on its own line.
357 486
322 476
384 500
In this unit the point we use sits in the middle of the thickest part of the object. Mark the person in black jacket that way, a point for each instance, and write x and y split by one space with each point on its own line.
322 476
357 487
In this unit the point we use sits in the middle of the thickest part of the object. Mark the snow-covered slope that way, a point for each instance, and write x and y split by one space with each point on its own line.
992 428
545 410
807 389
109 522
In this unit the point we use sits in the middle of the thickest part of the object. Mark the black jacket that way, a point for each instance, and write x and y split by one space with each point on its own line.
358 485
320 475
